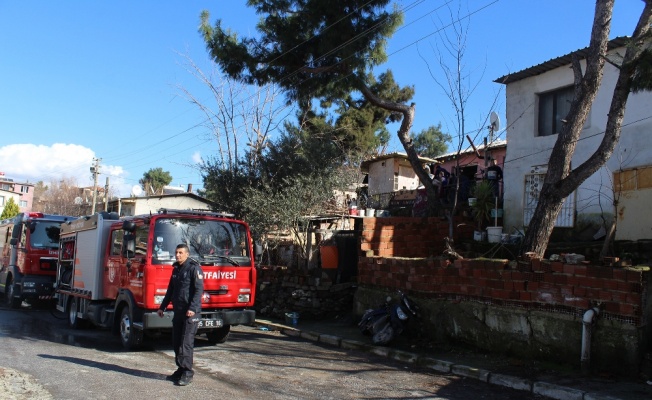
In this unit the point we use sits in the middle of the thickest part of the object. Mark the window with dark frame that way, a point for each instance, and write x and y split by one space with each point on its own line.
553 108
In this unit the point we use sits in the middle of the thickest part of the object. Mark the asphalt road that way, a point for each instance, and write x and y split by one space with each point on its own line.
40 357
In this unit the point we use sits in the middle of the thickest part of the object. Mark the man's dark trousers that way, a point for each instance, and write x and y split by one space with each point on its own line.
184 330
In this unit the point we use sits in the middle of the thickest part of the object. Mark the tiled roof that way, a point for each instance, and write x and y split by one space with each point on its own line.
556 62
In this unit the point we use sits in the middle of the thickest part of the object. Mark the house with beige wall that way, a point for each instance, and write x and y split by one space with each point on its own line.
389 175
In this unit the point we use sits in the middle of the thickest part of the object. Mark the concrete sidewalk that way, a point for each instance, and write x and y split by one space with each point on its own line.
553 382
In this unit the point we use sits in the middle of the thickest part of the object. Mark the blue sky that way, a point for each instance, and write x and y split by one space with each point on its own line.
86 79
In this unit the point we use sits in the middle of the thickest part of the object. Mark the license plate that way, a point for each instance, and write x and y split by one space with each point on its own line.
210 323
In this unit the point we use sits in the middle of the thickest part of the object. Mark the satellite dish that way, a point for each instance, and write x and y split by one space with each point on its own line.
78 200
136 190
495 121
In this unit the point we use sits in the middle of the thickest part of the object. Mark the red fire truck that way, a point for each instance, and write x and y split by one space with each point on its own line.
28 262
114 273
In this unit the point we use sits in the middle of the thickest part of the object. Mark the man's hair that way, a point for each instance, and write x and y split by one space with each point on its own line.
183 246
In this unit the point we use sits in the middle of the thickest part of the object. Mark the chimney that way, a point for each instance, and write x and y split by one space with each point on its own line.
190 188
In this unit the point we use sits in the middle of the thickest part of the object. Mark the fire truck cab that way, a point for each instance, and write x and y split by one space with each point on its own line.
115 272
29 245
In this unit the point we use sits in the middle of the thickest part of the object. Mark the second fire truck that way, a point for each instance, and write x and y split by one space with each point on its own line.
29 245
114 272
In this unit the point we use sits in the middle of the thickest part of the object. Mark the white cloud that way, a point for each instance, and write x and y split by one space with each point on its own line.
196 158
33 163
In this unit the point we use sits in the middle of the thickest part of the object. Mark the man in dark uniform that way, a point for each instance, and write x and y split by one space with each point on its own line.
494 175
184 291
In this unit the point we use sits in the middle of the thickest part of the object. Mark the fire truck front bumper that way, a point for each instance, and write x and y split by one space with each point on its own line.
209 319
36 288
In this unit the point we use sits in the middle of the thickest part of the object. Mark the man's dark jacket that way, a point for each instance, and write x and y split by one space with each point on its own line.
185 288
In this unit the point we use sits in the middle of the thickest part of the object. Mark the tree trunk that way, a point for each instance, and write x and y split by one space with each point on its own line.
560 180
406 141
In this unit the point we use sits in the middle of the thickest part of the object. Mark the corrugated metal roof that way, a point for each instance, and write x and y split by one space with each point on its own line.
493 145
365 164
556 62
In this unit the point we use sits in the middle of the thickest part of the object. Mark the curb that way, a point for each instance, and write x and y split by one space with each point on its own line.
544 389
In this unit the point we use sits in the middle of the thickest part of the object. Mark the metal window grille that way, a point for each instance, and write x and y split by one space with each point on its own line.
533 185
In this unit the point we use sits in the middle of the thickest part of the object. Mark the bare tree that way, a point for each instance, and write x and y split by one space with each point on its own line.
456 84
240 118
561 180
61 198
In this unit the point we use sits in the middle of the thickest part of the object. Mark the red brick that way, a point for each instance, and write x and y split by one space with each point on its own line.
569 269
633 276
620 274
557 266
580 270
635 287
619 297
526 296
536 265
629 309
577 302
612 307
634 298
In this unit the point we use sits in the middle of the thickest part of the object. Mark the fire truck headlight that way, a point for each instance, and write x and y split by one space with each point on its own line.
205 298
29 284
243 298
158 299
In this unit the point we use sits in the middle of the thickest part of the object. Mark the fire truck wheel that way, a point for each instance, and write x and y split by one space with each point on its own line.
12 302
74 321
130 337
219 335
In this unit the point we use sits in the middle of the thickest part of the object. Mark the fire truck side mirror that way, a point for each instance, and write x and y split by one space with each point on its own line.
13 241
129 226
129 247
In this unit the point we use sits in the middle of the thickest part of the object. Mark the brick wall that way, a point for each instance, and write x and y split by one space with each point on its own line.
402 253
553 286
407 236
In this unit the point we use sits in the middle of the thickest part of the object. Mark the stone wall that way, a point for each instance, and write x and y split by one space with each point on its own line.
313 295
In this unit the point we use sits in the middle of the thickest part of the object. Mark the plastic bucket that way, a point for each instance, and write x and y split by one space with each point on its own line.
494 234
370 212
292 318
329 255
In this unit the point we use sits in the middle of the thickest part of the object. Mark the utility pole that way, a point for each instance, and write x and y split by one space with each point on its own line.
95 169
106 195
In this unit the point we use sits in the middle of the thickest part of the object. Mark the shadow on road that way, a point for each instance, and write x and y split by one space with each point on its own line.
106 367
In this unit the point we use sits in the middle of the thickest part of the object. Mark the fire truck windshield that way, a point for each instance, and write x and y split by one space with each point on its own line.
208 241
44 234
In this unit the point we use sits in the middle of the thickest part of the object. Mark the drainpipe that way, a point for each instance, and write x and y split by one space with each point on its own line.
588 320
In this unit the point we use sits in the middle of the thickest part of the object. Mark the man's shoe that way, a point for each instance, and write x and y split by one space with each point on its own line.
185 380
175 376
